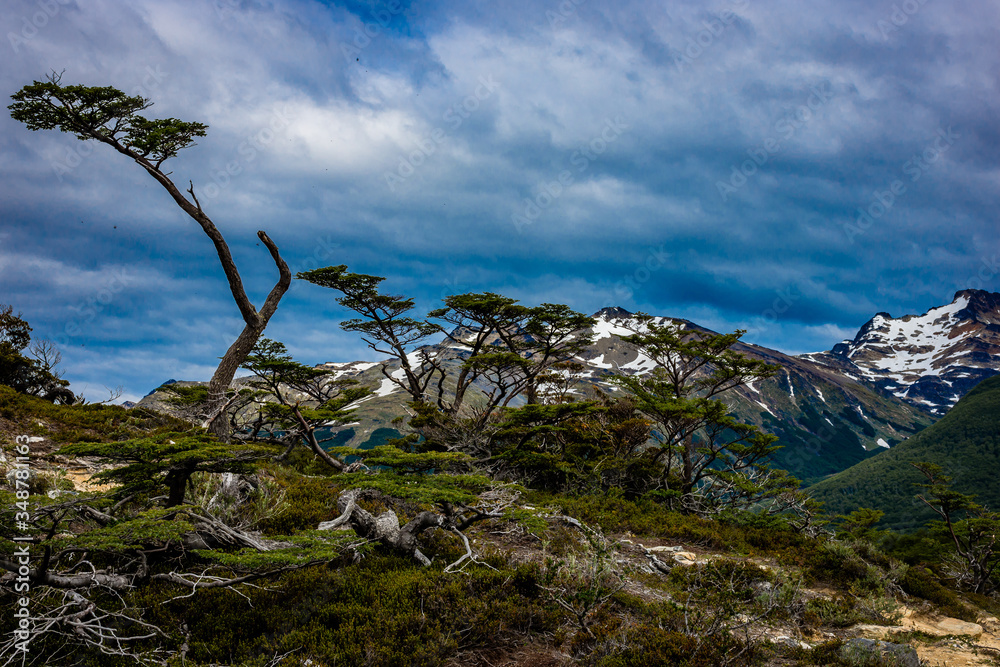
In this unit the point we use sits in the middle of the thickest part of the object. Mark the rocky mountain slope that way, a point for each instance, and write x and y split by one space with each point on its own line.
830 410
930 360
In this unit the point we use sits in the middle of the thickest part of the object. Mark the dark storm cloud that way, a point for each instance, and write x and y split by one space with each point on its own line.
713 162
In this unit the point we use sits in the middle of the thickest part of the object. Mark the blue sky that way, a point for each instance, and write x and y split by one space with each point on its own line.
789 168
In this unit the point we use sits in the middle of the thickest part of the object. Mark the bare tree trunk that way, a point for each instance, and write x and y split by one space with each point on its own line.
217 415
255 321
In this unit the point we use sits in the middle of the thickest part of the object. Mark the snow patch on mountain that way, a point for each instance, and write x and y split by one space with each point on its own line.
928 360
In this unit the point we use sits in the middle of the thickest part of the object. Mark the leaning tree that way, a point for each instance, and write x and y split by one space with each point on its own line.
113 118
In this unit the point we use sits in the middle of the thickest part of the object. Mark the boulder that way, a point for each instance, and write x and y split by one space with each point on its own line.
874 652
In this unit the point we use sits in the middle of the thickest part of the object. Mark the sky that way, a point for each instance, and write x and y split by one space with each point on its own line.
782 167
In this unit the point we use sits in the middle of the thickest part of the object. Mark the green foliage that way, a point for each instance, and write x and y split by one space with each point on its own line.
76 423
381 611
383 324
25 375
645 517
404 462
704 449
853 564
185 396
839 612
923 583
973 531
102 113
168 459
151 528
858 525
965 443
432 489
309 500
315 546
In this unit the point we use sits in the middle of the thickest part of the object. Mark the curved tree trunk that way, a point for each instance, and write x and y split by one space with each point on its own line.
255 321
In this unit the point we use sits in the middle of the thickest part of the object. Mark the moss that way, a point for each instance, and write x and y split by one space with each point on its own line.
81 423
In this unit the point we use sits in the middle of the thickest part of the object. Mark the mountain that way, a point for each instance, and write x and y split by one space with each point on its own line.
825 421
930 360
965 442
830 410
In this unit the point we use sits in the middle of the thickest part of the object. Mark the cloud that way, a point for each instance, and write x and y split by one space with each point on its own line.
406 140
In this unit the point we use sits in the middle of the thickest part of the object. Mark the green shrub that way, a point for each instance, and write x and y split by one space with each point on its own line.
837 612
922 583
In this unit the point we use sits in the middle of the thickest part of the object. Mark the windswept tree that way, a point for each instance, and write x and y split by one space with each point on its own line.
494 348
290 401
473 322
384 325
510 347
167 462
973 530
35 374
108 115
710 459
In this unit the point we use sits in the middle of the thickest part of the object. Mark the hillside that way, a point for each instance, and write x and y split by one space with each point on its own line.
554 580
965 442
826 420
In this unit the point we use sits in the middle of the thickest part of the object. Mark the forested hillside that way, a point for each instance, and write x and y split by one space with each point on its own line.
965 443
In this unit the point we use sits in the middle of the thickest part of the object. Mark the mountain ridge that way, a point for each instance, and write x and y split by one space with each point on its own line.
827 412
929 360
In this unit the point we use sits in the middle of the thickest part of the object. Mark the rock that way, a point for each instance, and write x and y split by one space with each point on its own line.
874 652
685 559
660 550
878 631
792 642
953 626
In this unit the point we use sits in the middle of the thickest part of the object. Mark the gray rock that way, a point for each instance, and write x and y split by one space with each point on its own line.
13 475
875 653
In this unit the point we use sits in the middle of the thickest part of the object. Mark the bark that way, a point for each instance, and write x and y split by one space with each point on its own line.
385 527
255 321
177 480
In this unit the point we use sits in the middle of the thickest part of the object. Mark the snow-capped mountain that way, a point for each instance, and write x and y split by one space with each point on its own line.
928 360
825 420
830 409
